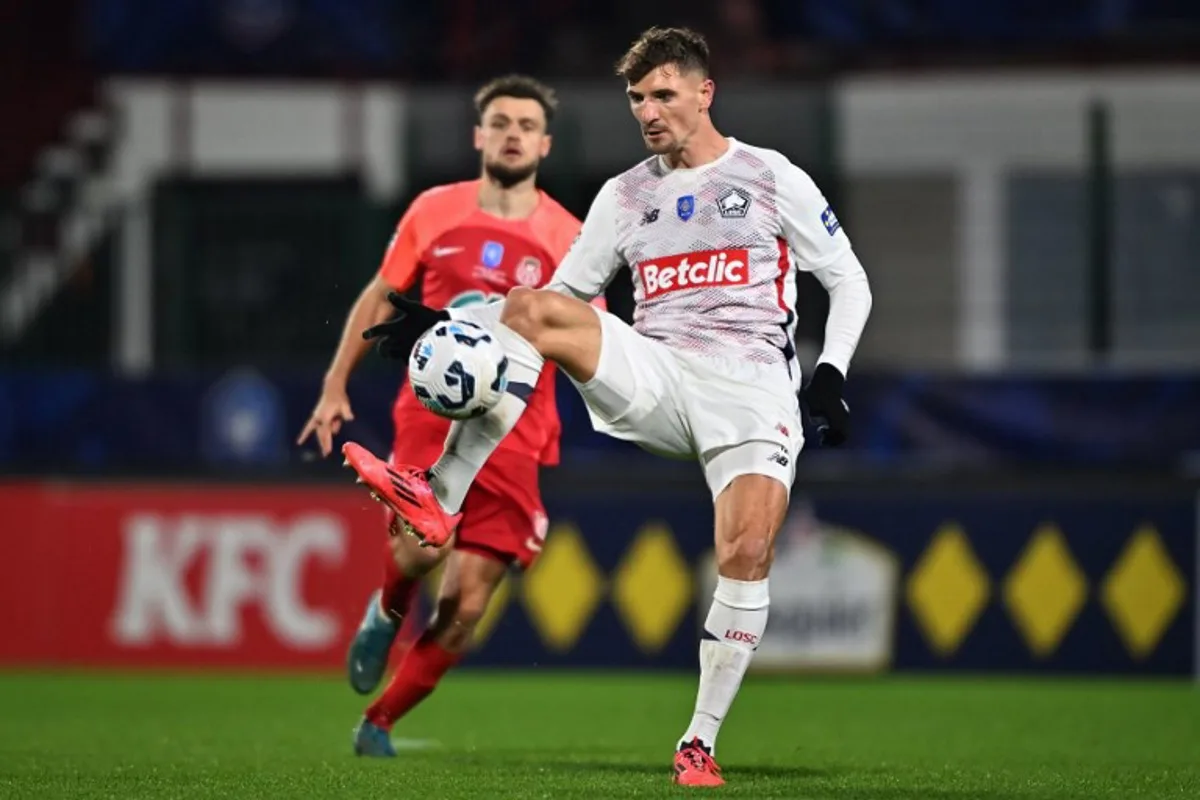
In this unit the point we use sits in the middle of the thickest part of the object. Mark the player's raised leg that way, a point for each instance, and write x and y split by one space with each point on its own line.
405 564
468 583
535 326
749 512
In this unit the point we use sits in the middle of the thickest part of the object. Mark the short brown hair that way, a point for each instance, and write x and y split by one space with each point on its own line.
657 47
519 86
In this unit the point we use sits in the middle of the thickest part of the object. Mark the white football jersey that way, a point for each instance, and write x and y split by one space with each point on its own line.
713 250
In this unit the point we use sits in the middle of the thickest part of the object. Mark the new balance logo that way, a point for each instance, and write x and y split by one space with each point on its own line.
650 216
779 457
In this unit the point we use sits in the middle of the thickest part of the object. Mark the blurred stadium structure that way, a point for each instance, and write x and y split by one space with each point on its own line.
192 196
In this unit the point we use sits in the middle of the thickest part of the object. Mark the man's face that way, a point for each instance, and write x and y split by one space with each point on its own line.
512 139
668 105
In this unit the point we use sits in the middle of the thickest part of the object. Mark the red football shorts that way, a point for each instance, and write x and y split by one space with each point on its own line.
503 516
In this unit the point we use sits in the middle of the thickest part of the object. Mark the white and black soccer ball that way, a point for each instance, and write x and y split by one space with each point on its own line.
458 370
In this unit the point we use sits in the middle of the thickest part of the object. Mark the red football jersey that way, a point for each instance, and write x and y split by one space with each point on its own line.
465 256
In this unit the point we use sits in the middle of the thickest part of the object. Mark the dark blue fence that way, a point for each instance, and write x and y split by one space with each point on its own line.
86 420
1032 578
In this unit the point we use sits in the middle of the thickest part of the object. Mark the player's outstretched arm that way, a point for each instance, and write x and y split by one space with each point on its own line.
398 335
333 406
398 271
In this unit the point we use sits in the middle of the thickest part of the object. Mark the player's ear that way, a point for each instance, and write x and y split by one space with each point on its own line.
544 148
707 89
479 137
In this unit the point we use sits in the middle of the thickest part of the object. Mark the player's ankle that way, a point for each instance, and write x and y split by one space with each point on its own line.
703 731
380 721
441 477
385 614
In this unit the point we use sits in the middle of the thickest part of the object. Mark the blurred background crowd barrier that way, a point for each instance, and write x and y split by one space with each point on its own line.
193 193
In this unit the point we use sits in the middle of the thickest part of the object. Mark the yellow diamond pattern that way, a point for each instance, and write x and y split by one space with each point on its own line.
1143 592
563 588
1045 591
652 587
947 589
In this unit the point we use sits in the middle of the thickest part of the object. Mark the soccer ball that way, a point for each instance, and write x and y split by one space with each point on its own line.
458 370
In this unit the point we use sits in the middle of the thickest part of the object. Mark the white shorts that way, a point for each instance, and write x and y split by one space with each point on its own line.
735 417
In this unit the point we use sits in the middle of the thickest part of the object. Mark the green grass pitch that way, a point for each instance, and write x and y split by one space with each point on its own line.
596 735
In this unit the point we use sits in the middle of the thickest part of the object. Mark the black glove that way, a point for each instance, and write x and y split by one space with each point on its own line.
399 335
826 408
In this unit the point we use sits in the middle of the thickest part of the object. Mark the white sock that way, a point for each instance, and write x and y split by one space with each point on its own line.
472 441
733 629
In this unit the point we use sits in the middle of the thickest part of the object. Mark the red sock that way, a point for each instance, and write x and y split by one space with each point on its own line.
398 589
419 672
410 629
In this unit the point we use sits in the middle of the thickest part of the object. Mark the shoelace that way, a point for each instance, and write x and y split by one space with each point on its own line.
696 757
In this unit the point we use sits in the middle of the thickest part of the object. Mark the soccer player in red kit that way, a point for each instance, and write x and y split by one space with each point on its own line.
468 243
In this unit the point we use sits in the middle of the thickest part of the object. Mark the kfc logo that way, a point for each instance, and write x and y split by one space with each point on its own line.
187 579
694 271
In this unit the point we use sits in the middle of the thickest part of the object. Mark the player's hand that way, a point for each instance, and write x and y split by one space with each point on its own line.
399 334
333 409
826 408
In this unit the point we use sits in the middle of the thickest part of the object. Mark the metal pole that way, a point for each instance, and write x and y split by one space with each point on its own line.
1100 225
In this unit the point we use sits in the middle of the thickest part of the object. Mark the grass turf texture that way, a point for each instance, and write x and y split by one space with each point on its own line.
564 735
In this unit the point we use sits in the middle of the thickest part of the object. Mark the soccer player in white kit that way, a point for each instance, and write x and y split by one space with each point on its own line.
713 231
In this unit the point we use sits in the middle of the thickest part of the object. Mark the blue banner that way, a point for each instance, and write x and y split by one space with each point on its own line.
1090 579
246 36
81 419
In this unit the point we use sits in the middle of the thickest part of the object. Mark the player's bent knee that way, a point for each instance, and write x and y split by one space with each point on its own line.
468 616
749 511
537 314
562 329
744 554
526 313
